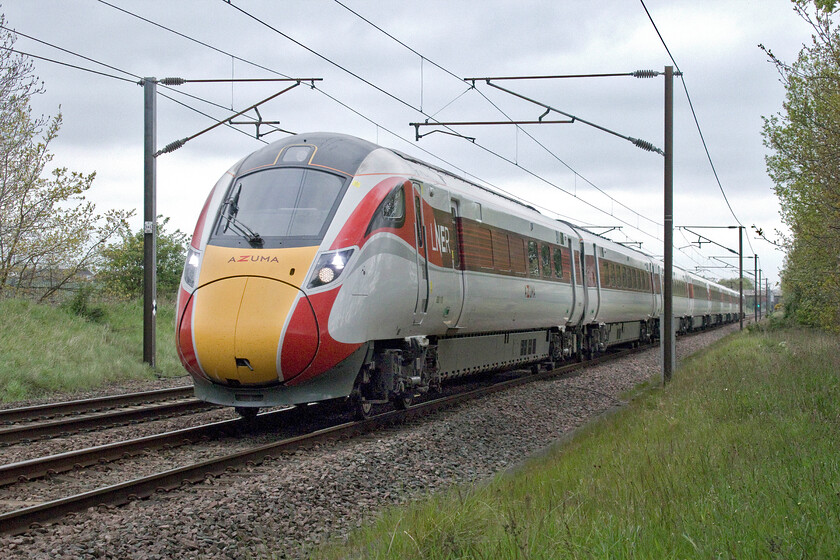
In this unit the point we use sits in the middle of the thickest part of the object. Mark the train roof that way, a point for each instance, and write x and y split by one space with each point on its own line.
443 171
345 153
338 152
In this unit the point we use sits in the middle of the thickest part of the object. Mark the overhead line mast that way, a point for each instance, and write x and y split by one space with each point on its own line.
667 334
150 156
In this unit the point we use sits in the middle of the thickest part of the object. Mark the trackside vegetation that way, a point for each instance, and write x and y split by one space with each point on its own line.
78 346
736 458
803 141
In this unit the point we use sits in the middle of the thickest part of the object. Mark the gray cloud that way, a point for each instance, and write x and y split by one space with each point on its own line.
730 82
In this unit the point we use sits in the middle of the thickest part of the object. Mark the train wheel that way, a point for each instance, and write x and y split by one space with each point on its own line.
247 412
403 401
249 415
361 407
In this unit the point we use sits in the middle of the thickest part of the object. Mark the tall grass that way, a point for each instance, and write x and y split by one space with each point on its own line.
46 349
736 458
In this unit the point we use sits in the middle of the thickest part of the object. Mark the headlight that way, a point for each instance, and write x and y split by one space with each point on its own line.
329 266
191 267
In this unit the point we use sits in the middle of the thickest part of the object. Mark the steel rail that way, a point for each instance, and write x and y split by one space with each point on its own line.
19 521
47 410
24 471
37 430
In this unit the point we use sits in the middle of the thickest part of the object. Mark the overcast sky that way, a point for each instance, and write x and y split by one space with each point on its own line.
714 43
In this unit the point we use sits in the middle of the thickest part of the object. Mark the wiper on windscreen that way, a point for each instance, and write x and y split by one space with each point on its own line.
250 235
232 204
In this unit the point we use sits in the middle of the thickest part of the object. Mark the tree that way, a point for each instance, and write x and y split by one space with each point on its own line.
121 265
48 231
735 284
805 167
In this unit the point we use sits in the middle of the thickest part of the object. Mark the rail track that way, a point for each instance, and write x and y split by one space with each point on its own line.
60 419
19 521
50 410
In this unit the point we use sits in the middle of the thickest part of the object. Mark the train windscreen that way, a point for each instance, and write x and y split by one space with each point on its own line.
284 206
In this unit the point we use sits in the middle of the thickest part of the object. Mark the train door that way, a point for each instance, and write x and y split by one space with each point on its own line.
422 304
453 316
654 291
690 295
597 274
584 283
578 292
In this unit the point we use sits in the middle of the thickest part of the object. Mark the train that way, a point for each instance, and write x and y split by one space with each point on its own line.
325 267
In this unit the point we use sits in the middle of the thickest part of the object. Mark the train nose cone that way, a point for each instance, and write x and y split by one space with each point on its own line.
239 327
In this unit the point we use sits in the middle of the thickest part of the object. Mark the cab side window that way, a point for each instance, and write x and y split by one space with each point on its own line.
390 213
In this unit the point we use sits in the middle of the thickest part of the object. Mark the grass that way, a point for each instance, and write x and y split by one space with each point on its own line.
46 349
736 458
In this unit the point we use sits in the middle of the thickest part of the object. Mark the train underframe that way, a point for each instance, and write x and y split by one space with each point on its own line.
398 371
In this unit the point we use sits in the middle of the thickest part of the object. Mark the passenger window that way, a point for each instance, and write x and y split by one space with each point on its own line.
545 254
558 263
533 259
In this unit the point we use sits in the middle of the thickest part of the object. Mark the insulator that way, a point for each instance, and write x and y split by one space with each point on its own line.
172 146
645 145
645 74
172 81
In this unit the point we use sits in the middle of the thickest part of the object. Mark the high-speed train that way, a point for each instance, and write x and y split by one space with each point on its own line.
325 267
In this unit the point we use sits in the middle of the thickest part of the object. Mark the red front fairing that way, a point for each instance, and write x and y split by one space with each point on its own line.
299 346
330 351
184 338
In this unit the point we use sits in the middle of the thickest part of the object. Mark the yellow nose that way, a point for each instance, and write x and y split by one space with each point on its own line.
238 328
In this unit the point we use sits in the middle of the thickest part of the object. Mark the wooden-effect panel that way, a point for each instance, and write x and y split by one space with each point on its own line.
497 251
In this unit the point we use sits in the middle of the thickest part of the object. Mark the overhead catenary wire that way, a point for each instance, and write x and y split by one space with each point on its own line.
249 62
694 115
62 49
208 116
409 105
67 64
643 73
550 211
207 45
333 98
164 83
321 91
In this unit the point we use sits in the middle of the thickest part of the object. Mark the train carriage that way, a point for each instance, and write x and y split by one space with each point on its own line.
324 266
